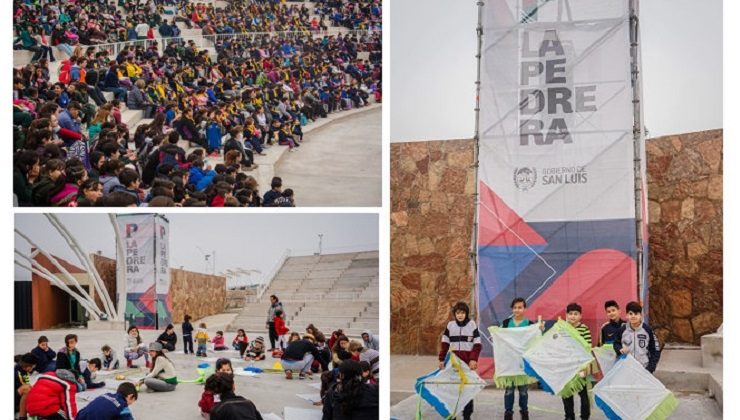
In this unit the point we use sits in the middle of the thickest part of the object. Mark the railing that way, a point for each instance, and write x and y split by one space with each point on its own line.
272 274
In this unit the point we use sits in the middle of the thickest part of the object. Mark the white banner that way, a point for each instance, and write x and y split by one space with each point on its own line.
162 260
138 252
556 109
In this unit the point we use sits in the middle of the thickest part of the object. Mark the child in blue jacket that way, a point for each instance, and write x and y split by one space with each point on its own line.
111 406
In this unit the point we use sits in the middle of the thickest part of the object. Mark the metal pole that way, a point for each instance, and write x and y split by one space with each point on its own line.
156 275
476 150
637 135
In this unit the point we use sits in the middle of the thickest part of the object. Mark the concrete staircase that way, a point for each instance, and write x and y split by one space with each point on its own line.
330 291
694 369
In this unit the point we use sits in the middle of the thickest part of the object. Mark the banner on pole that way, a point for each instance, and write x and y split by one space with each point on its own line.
556 219
146 259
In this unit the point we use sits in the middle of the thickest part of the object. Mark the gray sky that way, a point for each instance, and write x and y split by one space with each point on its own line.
433 67
240 240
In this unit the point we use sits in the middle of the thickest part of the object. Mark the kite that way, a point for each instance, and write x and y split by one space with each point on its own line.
606 357
557 359
448 390
508 346
629 392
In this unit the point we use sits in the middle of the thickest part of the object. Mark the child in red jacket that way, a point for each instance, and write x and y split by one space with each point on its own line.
208 398
53 394
281 330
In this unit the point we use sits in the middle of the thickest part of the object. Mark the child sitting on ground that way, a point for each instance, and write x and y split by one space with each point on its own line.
88 373
111 406
240 342
209 398
365 355
23 382
68 357
367 373
45 356
109 358
256 350
201 338
218 341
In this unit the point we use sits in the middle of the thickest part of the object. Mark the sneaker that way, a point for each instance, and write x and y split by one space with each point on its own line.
302 376
288 374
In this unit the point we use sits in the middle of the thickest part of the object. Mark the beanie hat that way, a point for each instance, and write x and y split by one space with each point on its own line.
260 340
155 346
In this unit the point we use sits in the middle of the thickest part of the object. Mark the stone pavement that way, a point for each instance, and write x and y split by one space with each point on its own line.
270 392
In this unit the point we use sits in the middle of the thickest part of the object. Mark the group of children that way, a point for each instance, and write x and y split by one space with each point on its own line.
632 336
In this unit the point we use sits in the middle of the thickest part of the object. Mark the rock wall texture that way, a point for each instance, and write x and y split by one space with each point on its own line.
685 235
432 186
197 294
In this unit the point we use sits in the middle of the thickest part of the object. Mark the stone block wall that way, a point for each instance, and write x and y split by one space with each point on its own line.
198 294
685 229
432 186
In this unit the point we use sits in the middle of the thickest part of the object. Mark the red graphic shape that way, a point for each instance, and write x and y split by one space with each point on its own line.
502 226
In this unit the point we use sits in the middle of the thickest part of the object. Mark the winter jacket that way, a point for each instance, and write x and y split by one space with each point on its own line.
201 178
64 360
168 338
463 339
53 393
206 402
298 349
642 343
135 98
66 121
367 408
234 407
131 344
133 193
89 378
66 197
218 342
271 311
280 327
111 406
610 330
372 342
45 357
187 328
373 357
109 181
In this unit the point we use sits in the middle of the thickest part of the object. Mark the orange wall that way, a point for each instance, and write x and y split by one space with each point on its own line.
50 305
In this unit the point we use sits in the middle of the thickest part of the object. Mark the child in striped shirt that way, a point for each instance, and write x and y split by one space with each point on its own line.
574 319
462 338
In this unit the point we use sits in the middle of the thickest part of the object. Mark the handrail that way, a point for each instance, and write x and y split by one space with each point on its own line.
271 276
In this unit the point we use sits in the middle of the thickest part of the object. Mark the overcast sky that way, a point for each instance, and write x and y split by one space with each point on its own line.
250 241
433 67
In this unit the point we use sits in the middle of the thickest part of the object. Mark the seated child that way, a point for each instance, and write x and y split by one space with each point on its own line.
68 358
367 373
637 338
109 358
240 342
88 373
111 406
218 341
22 386
45 356
53 395
256 350
366 355
201 338
209 398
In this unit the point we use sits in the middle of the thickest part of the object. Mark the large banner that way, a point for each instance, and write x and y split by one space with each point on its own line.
145 238
557 201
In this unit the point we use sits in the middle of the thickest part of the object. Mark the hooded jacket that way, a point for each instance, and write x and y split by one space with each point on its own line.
642 343
45 357
64 360
372 341
53 393
234 407
367 407
463 339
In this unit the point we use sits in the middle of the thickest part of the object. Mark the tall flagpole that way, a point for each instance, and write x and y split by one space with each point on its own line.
476 150
637 136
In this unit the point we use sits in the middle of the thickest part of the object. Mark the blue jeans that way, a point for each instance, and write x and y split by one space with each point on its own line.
301 366
202 348
509 398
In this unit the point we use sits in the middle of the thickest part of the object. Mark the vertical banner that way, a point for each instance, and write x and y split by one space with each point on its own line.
556 219
162 264
138 255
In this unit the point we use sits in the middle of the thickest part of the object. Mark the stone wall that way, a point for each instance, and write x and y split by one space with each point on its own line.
198 294
431 223
685 228
432 186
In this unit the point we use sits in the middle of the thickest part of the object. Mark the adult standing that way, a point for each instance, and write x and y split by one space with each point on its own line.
274 306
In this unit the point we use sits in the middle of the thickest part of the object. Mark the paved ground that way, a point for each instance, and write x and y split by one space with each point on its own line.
182 404
338 164
489 403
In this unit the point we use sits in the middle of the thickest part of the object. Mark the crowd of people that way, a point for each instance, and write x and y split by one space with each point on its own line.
348 371
72 147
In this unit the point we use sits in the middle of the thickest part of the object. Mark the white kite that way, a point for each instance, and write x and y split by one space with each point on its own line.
557 358
629 392
449 390
509 344
606 357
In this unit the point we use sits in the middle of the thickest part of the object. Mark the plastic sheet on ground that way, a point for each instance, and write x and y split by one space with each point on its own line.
509 344
448 390
557 357
294 413
629 392
312 398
